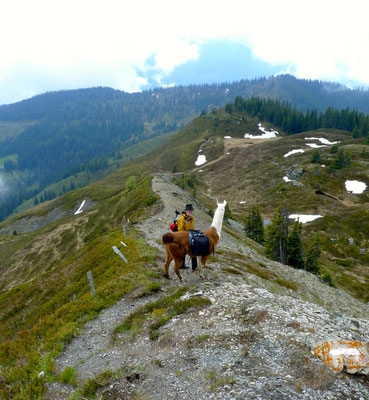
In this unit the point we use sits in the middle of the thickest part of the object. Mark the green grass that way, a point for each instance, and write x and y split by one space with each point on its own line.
68 376
159 312
47 312
91 386
286 284
217 380
150 289
232 271
256 173
39 317
69 234
261 272
201 338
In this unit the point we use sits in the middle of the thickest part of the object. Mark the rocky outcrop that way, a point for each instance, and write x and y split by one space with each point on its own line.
294 172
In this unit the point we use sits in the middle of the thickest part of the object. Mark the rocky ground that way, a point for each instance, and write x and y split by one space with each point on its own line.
30 224
252 342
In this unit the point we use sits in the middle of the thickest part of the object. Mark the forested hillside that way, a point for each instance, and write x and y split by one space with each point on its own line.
55 135
291 120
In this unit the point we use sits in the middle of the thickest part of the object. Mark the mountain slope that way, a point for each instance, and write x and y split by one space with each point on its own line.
253 339
46 301
56 135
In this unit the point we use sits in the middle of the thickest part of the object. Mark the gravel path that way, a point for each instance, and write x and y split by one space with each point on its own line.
252 342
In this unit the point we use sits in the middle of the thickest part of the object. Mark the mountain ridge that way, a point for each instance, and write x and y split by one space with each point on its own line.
58 134
46 301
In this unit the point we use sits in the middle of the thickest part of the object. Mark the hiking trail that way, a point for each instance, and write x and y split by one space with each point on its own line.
252 342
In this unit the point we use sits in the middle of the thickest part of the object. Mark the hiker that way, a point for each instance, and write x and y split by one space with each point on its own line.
186 223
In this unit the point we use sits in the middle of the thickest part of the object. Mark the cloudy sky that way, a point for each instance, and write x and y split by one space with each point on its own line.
51 45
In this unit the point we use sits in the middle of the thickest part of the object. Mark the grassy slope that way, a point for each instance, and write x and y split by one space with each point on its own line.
255 174
42 314
180 152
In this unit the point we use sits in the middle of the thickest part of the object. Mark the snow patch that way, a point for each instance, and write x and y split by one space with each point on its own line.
267 135
80 208
321 140
201 159
294 152
355 186
287 179
303 218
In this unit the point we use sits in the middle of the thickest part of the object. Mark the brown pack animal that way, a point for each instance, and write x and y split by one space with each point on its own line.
177 244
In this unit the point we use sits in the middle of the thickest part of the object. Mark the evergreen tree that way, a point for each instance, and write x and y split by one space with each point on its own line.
254 227
356 132
313 253
364 128
295 256
229 108
316 158
276 237
227 212
342 160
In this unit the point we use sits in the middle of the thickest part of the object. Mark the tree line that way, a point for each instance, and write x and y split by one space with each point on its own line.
282 115
282 243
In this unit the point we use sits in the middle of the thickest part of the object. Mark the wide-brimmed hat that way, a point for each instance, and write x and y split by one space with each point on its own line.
189 207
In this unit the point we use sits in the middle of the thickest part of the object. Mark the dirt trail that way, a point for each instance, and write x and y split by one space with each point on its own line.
92 351
252 342
230 144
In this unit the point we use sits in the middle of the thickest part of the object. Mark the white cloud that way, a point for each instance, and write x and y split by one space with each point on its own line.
46 44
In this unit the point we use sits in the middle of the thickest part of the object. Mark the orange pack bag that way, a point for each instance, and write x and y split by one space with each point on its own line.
349 354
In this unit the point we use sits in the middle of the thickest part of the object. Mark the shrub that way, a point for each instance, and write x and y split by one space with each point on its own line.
316 158
326 278
130 183
68 375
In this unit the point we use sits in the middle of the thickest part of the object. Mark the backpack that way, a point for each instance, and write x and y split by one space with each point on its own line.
199 244
173 226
